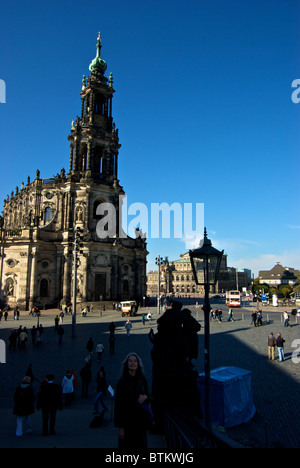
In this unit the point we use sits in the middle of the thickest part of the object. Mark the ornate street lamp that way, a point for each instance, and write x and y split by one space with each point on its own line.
159 262
206 262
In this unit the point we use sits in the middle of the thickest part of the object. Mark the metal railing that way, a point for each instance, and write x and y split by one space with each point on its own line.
188 432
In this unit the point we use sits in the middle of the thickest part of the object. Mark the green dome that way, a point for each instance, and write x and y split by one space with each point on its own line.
98 65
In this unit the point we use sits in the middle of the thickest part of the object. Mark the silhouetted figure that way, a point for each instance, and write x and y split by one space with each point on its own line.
174 378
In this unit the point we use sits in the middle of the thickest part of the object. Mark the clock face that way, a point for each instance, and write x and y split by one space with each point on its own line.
49 195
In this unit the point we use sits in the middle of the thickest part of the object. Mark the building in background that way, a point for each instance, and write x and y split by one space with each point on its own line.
176 278
278 276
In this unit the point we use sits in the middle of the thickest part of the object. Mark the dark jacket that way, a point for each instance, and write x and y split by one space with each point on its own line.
101 384
127 411
271 341
280 342
86 373
24 400
50 397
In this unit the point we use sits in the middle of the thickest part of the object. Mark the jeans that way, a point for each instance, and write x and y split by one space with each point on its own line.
281 354
20 420
98 398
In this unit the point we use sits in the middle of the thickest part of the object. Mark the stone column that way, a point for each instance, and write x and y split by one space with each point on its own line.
33 278
59 276
84 269
67 278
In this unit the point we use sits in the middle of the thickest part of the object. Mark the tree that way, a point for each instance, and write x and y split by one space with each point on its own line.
259 288
285 289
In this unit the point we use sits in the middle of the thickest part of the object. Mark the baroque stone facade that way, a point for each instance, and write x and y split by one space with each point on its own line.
177 278
39 218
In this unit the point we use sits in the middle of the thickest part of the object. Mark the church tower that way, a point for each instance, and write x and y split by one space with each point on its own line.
94 142
38 219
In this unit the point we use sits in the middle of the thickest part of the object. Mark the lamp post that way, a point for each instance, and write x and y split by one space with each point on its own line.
77 246
206 262
159 262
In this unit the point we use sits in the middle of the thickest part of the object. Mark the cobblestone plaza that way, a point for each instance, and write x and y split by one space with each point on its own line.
275 384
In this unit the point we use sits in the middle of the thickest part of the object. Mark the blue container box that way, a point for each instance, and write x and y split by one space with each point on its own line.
231 396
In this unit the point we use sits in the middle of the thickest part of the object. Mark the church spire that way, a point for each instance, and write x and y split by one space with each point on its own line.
98 66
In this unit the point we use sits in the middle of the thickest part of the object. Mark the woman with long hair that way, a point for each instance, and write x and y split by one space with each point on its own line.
131 395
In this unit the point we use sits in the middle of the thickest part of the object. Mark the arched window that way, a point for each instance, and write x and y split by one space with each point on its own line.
44 288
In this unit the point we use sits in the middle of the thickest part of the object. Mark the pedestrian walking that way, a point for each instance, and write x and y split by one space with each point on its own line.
99 351
41 332
56 323
286 319
143 319
111 344
29 373
49 401
271 346
230 315
112 328
128 327
38 338
259 318
23 338
100 391
68 388
60 333
280 346
24 406
131 394
33 335
13 339
74 382
90 347
254 318
86 377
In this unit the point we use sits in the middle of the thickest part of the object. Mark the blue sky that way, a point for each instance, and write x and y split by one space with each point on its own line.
203 106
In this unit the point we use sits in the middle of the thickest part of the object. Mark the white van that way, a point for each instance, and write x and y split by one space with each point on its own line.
129 308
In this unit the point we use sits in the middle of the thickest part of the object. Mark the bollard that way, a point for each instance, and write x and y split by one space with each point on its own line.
2 352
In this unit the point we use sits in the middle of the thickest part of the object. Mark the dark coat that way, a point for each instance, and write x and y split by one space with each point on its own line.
50 397
127 411
280 342
24 400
